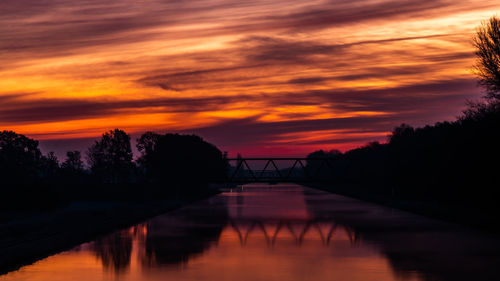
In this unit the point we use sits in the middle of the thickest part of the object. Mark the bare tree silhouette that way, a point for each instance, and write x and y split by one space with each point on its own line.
487 68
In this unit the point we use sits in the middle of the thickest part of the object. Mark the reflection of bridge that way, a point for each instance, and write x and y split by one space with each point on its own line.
299 171
299 229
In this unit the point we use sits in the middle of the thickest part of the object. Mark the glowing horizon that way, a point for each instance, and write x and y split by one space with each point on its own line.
284 77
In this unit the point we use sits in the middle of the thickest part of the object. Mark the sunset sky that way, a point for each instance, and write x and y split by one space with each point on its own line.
280 77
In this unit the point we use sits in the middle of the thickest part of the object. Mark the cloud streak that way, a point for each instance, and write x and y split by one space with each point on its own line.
410 98
248 75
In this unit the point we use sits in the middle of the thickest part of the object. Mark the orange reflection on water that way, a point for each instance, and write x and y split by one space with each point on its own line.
254 234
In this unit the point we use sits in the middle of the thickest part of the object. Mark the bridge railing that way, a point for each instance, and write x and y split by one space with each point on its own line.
296 170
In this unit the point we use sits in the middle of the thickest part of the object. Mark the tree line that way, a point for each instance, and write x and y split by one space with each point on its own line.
448 163
168 164
164 158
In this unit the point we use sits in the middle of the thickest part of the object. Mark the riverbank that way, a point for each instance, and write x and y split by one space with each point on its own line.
459 212
29 236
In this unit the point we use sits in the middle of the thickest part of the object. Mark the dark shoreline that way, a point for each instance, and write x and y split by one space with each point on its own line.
28 239
455 213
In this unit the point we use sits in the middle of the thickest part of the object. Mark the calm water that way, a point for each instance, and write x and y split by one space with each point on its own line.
278 232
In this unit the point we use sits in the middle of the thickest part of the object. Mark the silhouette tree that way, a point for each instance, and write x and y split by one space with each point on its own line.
319 168
73 161
50 165
334 153
487 43
72 168
176 158
401 133
110 158
20 158
146 145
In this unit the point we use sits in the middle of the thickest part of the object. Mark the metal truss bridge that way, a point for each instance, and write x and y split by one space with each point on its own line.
296 170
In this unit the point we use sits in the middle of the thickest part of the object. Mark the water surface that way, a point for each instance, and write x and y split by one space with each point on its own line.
278 232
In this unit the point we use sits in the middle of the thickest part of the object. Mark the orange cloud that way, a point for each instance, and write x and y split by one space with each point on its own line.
73 71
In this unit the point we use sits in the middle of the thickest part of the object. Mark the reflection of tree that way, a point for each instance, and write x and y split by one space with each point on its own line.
115 250
177 237
411 244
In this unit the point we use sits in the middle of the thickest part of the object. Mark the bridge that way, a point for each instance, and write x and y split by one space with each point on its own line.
301 170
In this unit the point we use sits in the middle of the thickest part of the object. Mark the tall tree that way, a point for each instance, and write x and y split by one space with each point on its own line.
487 68
50 165
20 158
73 161
110 158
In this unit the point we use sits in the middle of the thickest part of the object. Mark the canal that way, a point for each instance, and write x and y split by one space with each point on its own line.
278 232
